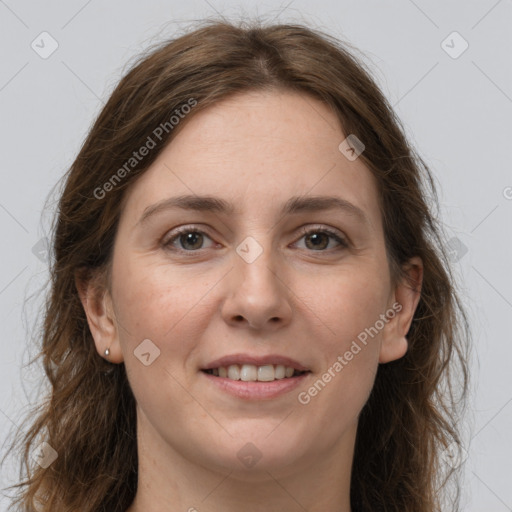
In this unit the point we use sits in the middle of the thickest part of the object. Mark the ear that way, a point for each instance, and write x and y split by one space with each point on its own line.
97 303
404 301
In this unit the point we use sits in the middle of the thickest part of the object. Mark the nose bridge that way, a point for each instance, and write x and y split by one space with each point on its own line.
255 266
257 293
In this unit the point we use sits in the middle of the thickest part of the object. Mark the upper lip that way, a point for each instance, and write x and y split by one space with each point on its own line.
239 359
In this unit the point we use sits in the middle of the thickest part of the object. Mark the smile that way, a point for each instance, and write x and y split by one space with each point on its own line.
253 373
255 389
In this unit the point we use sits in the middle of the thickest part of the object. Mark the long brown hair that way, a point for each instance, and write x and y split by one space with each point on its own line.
89 416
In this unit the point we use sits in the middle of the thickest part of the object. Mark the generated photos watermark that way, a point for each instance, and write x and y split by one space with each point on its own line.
305 397
145 149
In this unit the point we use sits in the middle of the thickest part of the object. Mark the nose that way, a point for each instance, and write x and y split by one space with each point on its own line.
257 295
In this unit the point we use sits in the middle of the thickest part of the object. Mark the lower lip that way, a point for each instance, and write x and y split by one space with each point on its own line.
255 390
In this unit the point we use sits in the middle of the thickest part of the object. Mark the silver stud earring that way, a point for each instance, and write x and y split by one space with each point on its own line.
107 352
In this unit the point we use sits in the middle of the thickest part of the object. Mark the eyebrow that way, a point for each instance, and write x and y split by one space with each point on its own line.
294 205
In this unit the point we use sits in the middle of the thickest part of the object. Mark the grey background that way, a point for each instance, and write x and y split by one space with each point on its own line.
456 111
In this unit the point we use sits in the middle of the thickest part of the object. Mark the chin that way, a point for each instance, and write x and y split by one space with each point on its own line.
256 453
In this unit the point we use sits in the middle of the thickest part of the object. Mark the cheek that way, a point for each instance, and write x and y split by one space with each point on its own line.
350 354
152 305
346 302
350 308
169 308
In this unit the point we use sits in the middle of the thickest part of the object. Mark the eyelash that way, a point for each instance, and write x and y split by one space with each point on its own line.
343 244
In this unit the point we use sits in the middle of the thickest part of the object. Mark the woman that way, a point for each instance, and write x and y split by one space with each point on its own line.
251 306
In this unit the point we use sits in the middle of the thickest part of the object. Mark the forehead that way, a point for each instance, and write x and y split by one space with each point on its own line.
256 150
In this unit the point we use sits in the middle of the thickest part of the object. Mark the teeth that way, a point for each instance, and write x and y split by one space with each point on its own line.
280 371
266 373
234 372
248 372
252 373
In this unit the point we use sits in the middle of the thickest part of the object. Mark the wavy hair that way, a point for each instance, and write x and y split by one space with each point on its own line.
89 417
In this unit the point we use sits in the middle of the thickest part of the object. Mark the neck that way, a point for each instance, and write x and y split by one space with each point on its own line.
168 481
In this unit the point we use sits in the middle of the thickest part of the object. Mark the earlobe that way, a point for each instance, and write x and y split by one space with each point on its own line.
97 305
405 301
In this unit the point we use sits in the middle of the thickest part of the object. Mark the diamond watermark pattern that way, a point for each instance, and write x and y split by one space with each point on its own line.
40 249
456 249
454 45
44 455
351 147
147 352
249 455
249 249
44 45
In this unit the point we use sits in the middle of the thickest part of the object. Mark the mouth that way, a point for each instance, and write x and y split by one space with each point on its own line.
255 373
251 382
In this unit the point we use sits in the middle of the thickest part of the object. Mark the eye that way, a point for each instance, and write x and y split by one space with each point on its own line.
190 240
187 239
317 239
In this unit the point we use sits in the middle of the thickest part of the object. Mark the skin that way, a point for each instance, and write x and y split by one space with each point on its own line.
255 150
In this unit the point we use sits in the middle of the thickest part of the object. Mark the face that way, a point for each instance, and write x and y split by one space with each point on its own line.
262 275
